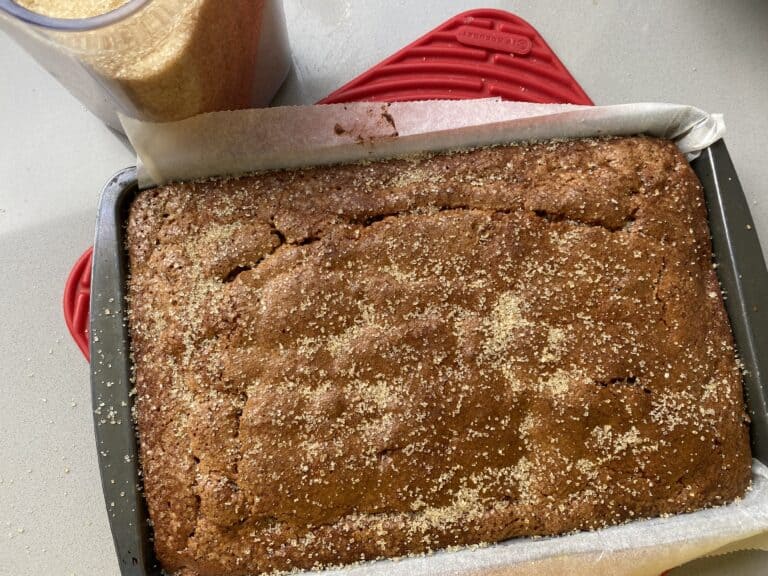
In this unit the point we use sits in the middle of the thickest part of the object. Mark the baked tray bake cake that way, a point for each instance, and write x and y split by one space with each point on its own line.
371 360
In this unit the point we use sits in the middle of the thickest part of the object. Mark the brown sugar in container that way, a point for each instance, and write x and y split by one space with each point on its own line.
156 60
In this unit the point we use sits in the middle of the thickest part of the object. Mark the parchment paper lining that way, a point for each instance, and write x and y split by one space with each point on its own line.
231 143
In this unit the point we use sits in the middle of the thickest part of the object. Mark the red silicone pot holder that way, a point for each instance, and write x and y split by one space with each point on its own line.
477 54
77 300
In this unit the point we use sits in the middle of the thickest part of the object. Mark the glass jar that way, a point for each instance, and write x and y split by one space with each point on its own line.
160 60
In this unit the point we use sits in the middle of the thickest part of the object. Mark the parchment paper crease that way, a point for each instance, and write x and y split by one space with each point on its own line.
230 143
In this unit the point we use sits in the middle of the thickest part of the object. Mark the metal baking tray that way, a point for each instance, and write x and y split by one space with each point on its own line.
741 270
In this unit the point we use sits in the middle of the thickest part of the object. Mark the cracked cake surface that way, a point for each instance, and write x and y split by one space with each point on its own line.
371 360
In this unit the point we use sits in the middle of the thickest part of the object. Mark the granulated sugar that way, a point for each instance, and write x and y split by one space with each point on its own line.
71 8
172 59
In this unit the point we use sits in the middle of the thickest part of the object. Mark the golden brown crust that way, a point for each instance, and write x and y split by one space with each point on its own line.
371 360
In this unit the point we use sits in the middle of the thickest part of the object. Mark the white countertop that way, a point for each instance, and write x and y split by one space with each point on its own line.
55 156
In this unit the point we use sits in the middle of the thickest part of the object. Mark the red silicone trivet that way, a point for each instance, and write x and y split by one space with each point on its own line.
476 54
77 300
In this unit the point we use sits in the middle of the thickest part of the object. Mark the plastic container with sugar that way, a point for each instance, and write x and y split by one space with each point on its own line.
156 60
